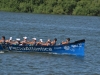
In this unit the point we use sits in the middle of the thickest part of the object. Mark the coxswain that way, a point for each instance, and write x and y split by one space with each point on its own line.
66 42
3 41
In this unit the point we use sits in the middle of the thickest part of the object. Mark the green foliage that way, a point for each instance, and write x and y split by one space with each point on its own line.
90 7
70 7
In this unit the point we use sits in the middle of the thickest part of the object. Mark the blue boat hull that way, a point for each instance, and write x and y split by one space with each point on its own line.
75 48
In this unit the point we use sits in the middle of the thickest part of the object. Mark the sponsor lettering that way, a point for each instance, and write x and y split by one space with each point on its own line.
66 47
72 47
30 49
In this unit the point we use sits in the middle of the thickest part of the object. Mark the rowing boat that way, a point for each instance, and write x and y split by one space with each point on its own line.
75 48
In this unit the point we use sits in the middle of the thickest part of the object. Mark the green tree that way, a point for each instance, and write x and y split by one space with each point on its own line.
70 7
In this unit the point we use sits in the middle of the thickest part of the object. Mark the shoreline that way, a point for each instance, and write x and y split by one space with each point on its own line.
62 7
46 13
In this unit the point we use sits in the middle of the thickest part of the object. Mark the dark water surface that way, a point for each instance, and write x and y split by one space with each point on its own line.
51 26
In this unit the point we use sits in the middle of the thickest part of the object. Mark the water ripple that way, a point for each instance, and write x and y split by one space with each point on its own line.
50 26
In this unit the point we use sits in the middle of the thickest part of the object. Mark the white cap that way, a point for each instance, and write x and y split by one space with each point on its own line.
34 38
10 38
18 39
25 37
41 40
48 39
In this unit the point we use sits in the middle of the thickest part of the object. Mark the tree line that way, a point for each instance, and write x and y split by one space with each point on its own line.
68 7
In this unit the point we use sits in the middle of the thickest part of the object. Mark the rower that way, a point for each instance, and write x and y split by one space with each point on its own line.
54 42
33 42
24 42
9 41
49 42
66 42
18 41
40 42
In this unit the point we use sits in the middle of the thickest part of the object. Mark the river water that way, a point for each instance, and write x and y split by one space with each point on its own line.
47 26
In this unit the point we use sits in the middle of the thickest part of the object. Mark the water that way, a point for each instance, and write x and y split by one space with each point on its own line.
47 26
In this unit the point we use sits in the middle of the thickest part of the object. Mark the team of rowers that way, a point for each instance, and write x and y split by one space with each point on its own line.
33 42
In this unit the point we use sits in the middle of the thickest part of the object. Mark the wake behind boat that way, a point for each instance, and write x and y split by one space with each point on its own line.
75 48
